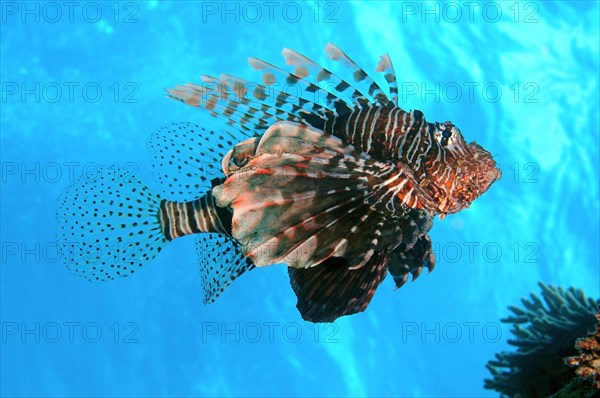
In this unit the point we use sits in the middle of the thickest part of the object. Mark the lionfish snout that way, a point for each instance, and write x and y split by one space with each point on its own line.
473 175
486 169
495 174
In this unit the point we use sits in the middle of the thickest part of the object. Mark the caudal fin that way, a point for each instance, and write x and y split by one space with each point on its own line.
108 225
111 225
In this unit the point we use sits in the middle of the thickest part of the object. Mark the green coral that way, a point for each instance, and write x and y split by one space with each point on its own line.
545 333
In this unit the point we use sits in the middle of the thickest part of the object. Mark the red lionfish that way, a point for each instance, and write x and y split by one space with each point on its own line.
337 182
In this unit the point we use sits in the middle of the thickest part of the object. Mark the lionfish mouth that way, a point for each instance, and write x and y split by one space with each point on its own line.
489 172
485 173
492 175
495 174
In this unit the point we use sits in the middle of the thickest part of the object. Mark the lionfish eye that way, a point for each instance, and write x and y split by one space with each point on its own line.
442 134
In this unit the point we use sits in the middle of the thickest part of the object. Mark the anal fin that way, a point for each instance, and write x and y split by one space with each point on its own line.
221 262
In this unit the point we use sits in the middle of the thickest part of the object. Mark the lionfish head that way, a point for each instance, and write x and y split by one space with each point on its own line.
467 171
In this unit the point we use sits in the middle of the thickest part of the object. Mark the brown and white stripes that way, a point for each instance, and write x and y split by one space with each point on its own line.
200 215
396 191
388 131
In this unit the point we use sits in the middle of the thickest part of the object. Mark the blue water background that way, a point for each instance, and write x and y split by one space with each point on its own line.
540 222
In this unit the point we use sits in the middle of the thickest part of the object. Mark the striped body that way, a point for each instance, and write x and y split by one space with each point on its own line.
186 218
449 173
435 165
391 135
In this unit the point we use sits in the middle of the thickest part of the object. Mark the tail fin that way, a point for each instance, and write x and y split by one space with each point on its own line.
109 226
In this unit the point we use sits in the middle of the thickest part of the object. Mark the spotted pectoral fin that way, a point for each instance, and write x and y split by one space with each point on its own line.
412 261
331 290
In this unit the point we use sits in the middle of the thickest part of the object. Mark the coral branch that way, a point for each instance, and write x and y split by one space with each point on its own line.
545 330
